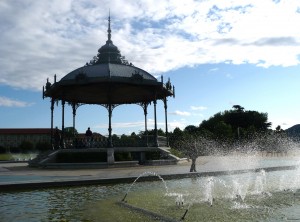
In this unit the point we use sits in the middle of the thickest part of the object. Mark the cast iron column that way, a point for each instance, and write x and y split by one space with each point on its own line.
52 110
109 126
63 123
155 124
145 114
166 119
74 115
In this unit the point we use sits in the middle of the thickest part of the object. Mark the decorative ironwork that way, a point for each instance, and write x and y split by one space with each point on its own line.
109 52
169 85
48 84
112 106
140 141
136 76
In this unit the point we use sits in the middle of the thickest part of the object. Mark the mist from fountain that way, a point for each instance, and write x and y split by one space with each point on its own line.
238 191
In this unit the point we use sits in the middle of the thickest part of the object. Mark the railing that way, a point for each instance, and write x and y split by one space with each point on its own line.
135 141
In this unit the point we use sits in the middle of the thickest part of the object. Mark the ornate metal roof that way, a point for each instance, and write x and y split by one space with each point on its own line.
108 79
108 70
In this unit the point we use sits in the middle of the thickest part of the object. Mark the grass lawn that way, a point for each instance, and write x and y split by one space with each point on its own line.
6 156
17 156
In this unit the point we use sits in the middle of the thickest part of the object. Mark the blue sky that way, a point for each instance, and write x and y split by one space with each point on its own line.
217 53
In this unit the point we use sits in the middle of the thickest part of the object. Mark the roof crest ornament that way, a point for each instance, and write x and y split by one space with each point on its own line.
109 53
109 30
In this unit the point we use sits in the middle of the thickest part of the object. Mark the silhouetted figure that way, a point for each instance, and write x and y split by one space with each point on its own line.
88 135
57 139
193 166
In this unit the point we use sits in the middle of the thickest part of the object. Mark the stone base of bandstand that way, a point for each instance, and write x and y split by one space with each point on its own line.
49 159
110 156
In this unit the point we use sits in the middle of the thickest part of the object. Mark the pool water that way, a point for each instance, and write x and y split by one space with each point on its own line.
261 196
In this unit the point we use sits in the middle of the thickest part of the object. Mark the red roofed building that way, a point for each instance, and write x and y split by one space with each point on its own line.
11 137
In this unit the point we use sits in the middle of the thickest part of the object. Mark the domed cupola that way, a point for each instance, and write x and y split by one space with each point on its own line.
109 53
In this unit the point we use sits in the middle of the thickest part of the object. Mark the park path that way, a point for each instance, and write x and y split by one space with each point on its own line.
12 173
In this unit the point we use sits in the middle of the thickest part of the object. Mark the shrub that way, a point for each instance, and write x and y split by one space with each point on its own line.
2 149
123 156
81 157
43 146
177 153
155 155
26 146
15 149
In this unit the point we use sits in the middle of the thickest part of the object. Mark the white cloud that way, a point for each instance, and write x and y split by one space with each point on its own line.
213 70
122 125
43 38
137 124
198 108
180 113
8 102
176 123
118 128
229 76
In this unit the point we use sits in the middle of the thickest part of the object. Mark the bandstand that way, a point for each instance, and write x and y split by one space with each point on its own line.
109 81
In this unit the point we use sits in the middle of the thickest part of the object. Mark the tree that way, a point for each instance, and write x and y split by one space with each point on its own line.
160 132
43 146
70 132
174 136
217 127
278 129
26 146
191 129
238 108
2 149
236 124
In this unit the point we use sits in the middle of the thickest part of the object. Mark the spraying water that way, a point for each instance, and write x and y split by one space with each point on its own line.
208 190
146 174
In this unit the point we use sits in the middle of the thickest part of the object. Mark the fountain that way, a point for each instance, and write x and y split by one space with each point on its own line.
265 192
254 196
144 174
248 196
243 187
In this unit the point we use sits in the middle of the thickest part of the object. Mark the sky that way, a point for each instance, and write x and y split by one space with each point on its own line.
217 53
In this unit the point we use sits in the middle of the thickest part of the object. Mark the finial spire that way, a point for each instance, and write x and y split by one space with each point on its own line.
109 30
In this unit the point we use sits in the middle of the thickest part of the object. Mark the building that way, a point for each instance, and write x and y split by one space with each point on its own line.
13 137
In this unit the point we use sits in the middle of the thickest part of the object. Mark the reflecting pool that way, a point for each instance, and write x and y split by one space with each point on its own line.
259 196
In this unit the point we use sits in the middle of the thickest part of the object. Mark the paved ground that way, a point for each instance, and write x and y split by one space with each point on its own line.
11 173
20 173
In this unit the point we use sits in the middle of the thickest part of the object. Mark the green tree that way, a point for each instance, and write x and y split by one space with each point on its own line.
70 132
236 124
26 146
174 136
217 127
160 132
43 146
278 129
191 129
2 149
238 108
